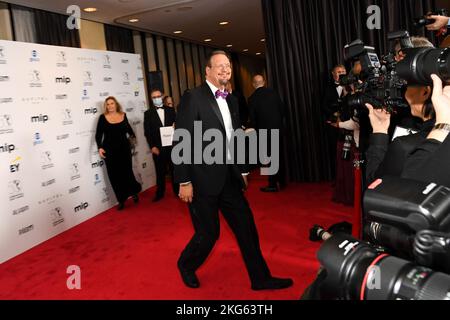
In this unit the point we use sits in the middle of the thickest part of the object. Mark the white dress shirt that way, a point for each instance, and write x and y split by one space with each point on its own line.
224 110
226 117
160 112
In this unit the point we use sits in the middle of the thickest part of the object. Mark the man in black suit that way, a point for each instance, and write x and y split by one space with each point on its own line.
267 112
333 94
156 117
218 186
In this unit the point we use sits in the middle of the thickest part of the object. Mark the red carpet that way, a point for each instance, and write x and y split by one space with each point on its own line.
132 255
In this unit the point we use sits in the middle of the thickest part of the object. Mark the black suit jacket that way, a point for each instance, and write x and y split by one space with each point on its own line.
199 104
266 109
330 101
388 159
152 124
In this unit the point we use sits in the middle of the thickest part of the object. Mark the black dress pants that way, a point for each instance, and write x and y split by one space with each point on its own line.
236 211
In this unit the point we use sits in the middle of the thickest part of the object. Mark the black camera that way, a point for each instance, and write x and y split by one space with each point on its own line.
378 83
383 82
405 218
420 63
424 21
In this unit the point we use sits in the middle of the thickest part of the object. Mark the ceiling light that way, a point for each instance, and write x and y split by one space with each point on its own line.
258 53
133 20
207 40
178 32
245 50
263 40
229 45
90 9
223 23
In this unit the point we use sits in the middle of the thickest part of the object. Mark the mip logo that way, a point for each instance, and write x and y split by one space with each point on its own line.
63 79
92 111
82 206
98 164
40 118
7 148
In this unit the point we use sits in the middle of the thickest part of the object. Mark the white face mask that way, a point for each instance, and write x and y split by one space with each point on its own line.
158 102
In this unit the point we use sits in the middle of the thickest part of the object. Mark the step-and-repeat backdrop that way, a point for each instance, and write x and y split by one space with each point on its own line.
51 176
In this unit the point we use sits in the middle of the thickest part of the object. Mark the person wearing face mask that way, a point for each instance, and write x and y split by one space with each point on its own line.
156 117
384 158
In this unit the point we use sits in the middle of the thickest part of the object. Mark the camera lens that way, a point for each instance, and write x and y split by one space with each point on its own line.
402 280
420 63
358 271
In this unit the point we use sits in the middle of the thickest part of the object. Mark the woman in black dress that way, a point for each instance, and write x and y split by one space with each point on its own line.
112 137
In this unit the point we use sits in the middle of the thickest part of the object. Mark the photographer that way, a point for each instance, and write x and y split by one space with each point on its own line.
388 159
429 161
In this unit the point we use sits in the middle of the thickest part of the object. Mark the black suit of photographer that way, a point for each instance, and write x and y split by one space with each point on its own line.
384 158
429 162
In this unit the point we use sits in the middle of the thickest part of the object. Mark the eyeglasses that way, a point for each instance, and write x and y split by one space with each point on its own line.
223 66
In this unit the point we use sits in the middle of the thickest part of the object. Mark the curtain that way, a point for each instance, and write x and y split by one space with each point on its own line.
23 24
43 27
51 28
305 39
119 39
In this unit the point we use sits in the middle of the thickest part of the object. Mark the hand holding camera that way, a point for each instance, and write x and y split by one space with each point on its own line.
439 22
441 100
380 119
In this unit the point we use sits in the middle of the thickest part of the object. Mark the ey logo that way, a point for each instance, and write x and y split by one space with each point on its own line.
74 20
74 280
374 20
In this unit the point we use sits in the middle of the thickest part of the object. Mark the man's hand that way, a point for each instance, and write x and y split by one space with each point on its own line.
102 153
441 100
334 124
186 193
155 151
439 23
245 182
380 119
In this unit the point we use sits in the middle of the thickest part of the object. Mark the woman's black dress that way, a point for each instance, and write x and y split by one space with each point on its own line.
114 140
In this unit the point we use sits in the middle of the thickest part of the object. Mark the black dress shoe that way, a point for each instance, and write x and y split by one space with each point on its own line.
273 284
189 278
121 206
157 198
269 189
136 198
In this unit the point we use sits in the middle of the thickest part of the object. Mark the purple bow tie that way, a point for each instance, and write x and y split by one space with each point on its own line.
223 94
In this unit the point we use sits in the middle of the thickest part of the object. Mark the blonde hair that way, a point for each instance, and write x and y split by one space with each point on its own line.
118 106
